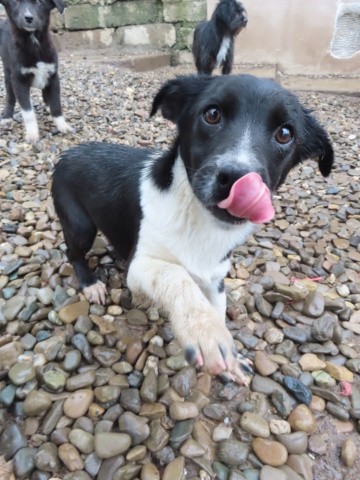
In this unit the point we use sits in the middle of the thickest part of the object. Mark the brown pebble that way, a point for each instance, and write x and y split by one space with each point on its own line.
70 456
78 403
317 404
348 452
302 419
270 452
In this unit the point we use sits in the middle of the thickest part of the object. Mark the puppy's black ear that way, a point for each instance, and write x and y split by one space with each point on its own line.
59 4
175 95
317 144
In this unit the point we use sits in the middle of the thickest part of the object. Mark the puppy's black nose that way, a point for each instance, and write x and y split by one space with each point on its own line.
245 20
226 176
29 18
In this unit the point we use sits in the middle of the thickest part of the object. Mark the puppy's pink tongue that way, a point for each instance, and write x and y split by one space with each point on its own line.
249 198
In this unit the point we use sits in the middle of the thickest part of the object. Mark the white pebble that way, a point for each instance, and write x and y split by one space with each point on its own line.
151 362
157 341
343 290
221 432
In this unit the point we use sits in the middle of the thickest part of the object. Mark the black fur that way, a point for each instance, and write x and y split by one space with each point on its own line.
228 19
22 48
96 186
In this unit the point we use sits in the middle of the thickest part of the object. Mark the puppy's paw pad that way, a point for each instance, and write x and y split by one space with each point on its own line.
96 293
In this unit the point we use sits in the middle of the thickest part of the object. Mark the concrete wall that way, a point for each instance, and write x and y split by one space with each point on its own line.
294 34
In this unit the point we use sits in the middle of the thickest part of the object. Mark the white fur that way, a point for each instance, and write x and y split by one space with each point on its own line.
62 125
179 262
222 53
177 228
243 154
31 126
42 72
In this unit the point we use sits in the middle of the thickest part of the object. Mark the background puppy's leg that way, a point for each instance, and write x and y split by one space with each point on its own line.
51 95
229 60
197 325
22 92
10 99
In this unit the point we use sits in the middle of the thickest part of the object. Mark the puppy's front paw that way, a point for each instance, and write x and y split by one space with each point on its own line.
96 293
62 125
32 135
208 344
6 124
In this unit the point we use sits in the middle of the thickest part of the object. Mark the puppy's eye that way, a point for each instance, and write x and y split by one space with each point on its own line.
212 116
284 135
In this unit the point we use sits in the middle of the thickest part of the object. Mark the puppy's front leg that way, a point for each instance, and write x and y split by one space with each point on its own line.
196 323
228 63
217 297
51 94
22 92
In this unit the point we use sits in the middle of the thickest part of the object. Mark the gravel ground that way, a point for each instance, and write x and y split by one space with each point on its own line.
105 392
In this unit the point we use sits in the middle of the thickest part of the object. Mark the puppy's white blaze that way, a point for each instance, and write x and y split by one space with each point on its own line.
178 229
245 154
62 125
242 154
31 126
42 72
222 53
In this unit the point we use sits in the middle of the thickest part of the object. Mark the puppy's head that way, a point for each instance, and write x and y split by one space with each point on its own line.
31 15
231 16
232 125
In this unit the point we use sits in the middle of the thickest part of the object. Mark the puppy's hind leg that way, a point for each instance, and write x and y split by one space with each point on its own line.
6 119
79 232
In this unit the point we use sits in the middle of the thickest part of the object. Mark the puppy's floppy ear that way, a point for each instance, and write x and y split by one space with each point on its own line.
317 144
176 94
59 4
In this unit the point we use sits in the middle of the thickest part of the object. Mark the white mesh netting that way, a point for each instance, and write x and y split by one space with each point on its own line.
346 39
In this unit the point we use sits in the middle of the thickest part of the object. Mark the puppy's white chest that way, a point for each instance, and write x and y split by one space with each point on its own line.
42 72
222 53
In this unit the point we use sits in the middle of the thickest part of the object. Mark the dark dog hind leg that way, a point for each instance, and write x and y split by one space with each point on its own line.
79 234
10 100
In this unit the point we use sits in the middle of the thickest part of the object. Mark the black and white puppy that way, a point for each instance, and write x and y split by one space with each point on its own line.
213 44
30 60
160 209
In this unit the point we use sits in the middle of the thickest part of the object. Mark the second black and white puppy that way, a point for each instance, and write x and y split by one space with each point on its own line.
30 60
176 215
213 44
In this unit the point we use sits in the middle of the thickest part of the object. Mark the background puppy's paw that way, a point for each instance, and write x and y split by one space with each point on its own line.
32 136
6 124
62 125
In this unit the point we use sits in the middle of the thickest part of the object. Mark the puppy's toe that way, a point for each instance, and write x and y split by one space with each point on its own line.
216 349
193 357
96 293
245 364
